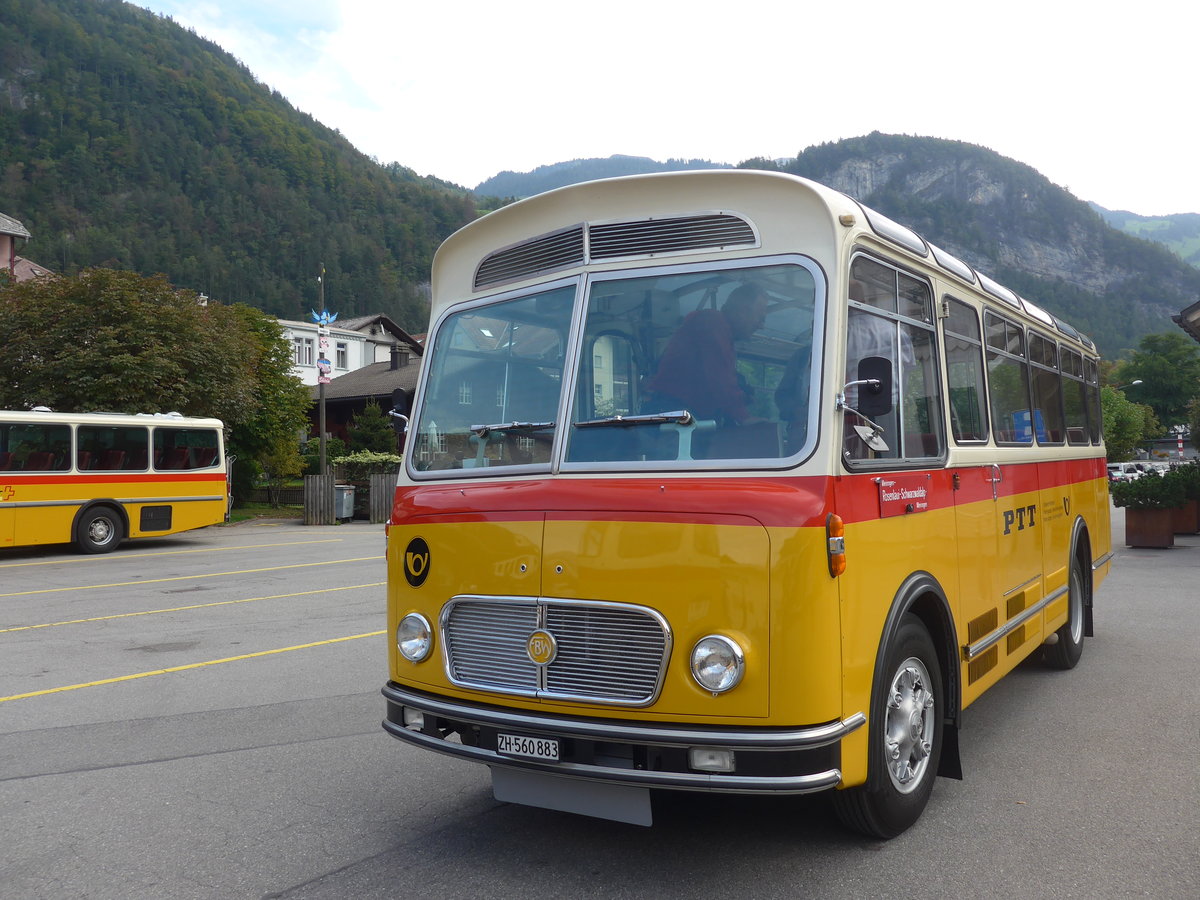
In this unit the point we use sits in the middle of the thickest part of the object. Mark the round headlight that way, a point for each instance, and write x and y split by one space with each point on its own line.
414 638
717 663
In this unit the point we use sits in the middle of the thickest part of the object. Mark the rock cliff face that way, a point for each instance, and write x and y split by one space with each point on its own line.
1013 224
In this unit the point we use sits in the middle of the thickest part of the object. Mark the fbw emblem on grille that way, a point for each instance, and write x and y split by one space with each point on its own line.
541 648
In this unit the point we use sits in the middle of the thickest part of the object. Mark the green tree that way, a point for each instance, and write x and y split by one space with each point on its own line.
269 431
1194 422
117 341
120 342
1126 424
372 430
1169 368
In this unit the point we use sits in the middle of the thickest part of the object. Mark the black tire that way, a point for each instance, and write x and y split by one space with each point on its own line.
99 530
1065 652
906 729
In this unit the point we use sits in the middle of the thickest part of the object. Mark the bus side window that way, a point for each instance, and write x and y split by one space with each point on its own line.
964 370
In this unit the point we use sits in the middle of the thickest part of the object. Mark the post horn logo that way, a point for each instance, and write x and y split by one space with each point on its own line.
416 562
541 648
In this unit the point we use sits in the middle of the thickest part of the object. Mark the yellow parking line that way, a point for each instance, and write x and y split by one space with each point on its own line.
92 587
150 612
199 665
116 556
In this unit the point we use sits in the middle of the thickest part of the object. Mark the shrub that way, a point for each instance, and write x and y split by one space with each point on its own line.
362 465
1150 492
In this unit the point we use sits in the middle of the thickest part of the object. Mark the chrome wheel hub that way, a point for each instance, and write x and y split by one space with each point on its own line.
909 725
100 531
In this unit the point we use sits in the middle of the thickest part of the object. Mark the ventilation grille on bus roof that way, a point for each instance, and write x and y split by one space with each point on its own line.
542 254
709 232
649 237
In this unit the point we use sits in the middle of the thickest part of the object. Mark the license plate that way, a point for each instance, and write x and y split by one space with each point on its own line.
534 748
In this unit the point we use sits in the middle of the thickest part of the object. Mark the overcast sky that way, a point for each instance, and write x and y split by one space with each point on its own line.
1101 98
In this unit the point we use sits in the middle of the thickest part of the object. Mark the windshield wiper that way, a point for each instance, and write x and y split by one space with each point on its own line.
485 430
676 417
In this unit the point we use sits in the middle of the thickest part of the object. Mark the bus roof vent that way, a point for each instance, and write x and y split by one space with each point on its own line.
650 237
547 253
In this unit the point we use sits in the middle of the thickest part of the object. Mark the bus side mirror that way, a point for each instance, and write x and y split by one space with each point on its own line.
401 407
875 399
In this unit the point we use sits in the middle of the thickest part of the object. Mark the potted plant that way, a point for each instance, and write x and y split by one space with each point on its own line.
1187 516
1149 502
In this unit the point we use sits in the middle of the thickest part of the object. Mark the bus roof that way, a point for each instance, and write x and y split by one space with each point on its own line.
610 222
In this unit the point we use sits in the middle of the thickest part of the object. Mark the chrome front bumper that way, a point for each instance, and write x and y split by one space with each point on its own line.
769 760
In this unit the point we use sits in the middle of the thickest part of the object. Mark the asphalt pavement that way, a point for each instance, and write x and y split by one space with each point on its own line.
198 717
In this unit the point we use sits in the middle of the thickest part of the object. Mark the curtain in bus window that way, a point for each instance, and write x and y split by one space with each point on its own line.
492 397
730 348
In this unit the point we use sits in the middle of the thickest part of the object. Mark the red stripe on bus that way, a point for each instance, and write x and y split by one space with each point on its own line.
25 478
774 501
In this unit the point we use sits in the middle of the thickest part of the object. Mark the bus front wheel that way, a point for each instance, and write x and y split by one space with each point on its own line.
99 530
1067 648
907 713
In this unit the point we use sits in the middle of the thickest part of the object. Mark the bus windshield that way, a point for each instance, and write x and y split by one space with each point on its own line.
674 368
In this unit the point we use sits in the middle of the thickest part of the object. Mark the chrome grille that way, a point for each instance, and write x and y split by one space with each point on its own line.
657 236
609 653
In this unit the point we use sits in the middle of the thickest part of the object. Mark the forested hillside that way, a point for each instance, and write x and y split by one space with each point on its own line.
1181 232
129 142
546 178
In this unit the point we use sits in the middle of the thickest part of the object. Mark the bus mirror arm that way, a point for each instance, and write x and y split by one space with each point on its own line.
401 421
871 433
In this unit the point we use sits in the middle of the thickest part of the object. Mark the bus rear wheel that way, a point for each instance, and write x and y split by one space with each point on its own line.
1067 648
100 530
907 712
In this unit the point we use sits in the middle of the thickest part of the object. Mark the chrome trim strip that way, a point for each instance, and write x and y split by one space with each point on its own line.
692 781
1013 624
1103 561
129 501
620 731
1021 587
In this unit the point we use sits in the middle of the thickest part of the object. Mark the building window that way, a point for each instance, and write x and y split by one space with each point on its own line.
304 351
342 355
464 393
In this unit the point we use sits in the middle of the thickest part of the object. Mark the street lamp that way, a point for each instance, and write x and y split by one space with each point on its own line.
1133 383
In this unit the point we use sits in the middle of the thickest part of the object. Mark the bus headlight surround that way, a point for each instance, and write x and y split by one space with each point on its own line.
718 663
414 637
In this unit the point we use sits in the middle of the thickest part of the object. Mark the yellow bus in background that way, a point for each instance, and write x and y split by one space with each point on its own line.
722 481
94 479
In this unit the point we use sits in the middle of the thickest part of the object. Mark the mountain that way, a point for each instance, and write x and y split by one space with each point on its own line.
1009 221
1180 233
999 215
546 178
127 141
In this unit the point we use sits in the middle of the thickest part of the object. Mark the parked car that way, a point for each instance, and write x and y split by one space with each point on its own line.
1123 471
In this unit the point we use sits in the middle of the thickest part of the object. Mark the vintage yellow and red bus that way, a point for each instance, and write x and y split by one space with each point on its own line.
722 481
97 478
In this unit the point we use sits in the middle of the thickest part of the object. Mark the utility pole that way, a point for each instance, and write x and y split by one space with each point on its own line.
322 339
